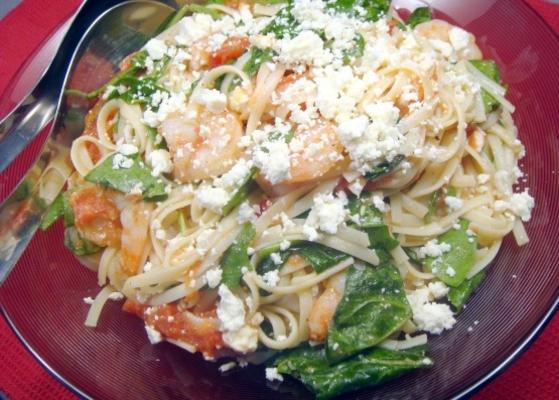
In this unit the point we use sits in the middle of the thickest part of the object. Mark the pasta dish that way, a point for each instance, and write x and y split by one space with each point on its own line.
311 185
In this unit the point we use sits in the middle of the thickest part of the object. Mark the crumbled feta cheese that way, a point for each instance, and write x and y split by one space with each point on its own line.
127 149
246 213
213 277
194 28
212 198
230 310
121 161
147 266
156 49
272 158
88 300
284 245
154 336
271 278
243 340
433 249
272 374
450 271
438 289
453 203
116 296
212 99
276 258
379 203
429 316
521 204
307 48
160 162
327 213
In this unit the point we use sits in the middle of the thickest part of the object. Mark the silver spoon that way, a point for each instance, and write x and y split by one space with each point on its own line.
111 30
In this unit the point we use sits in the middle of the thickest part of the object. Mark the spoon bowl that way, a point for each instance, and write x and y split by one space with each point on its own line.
112 30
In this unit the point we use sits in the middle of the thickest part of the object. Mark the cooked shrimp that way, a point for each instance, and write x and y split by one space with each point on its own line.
324 308
96 216
135 223
437 29
316 154
202 146
200 330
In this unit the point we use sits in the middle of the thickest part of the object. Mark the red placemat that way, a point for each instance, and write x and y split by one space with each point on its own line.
533 376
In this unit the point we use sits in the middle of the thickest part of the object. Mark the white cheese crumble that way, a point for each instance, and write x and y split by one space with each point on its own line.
127 149
433 249
156 49
153 335
271 278
231 315
521 204
459 38
453 203
88 300
212 99
438 289
285 244
160 162
230 310
272 374
213 277
429 316
327 214
121 161
272 158
246 213
116 296
276 258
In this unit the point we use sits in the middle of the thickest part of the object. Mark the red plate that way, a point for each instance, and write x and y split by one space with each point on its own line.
42 298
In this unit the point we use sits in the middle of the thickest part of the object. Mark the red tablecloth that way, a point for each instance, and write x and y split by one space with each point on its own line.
535 375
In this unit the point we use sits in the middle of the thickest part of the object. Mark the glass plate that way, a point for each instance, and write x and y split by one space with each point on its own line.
42 298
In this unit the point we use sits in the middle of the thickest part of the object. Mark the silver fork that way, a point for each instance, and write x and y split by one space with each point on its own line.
103 33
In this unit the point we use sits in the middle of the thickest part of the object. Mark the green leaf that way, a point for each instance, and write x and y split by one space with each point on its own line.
241 193
319 256
283 24
60 207
420 15
384 168
127 179
236 257
77 244
458 296
356 51
369 10
310 365
432 206
490 69
374 306
257 58
453 266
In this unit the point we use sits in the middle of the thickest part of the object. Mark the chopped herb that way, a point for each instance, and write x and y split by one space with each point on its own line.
384 168
236 257
458 296
420 15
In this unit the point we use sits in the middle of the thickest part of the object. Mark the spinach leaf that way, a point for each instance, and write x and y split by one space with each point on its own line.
127 179
319 256
284 24
59 208
356 51
458 296
374 306
369 219
77 244
432 206
257 58
384 168
453 266
310 365
241 193
364 214
369 10
236 257
420 15
490 69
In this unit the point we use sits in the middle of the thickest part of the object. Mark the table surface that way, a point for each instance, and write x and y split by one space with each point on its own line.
533 375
